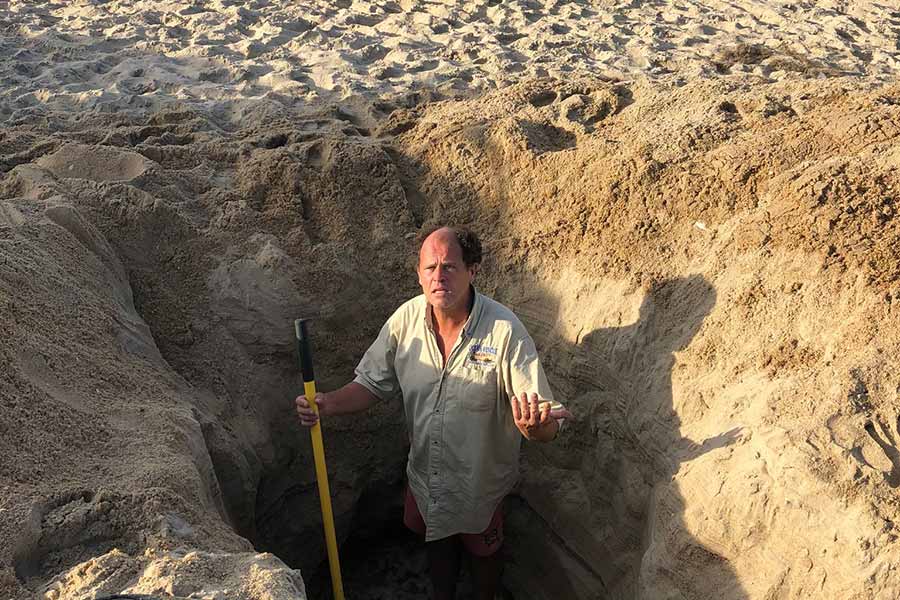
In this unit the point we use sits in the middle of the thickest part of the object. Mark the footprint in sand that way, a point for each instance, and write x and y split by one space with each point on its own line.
425 65
887 441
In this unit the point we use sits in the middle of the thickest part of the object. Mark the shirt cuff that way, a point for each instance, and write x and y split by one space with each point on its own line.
369 385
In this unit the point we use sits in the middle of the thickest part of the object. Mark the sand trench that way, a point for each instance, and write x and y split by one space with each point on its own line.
724 352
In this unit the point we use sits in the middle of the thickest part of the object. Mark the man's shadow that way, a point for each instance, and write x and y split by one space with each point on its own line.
602 503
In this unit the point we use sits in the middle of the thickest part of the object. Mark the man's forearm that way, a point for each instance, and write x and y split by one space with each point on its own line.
351 398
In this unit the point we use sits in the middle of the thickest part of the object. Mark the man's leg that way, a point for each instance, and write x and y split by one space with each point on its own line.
485 551
443 555
486 575
443 566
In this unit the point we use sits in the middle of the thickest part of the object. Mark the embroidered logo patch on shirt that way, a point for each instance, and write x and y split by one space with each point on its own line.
481 356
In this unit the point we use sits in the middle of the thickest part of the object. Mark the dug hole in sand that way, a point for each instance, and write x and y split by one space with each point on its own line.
711 281
709 267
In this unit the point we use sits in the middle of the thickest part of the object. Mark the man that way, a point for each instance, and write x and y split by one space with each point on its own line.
472 387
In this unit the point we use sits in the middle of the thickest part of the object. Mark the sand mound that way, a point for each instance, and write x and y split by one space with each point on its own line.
710 271
96 164
180 575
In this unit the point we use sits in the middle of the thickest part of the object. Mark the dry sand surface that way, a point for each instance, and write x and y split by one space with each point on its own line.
137 55
692 206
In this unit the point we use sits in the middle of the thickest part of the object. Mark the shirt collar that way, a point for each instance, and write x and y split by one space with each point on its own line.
475 313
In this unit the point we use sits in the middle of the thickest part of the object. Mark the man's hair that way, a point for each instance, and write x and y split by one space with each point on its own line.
468 242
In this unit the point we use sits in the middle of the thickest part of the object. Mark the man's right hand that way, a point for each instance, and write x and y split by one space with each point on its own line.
351 398
307 415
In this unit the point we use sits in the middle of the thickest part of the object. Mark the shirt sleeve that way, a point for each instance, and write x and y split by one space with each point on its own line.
375 371
526 373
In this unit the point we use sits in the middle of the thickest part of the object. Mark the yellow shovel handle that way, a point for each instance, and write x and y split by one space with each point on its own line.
309 389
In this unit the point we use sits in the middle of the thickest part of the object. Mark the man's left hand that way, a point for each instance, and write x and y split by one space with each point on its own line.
535 419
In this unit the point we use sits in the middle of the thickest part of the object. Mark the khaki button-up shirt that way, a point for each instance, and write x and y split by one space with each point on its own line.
464 446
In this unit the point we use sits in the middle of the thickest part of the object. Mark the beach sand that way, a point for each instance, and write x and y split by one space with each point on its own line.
692 206
219 56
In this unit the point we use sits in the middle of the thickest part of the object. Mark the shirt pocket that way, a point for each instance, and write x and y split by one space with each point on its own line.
478 388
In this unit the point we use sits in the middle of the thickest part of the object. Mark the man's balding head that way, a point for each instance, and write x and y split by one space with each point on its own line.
468 242
448 260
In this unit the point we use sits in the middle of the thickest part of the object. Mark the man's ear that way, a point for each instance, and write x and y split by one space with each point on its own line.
474 269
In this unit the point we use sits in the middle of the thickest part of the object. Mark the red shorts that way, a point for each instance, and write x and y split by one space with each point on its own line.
480 544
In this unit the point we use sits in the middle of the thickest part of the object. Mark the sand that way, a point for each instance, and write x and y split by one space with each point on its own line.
223 55
692 206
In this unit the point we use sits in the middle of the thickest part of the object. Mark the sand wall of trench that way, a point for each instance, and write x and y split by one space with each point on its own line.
710 273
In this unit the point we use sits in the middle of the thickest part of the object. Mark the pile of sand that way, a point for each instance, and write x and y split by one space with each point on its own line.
710 268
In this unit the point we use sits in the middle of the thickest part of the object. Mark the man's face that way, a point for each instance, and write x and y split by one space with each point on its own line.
444 277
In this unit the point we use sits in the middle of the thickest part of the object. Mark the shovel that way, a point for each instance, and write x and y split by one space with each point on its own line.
309 389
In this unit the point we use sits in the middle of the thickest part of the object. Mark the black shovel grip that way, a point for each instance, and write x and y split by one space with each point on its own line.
304 350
